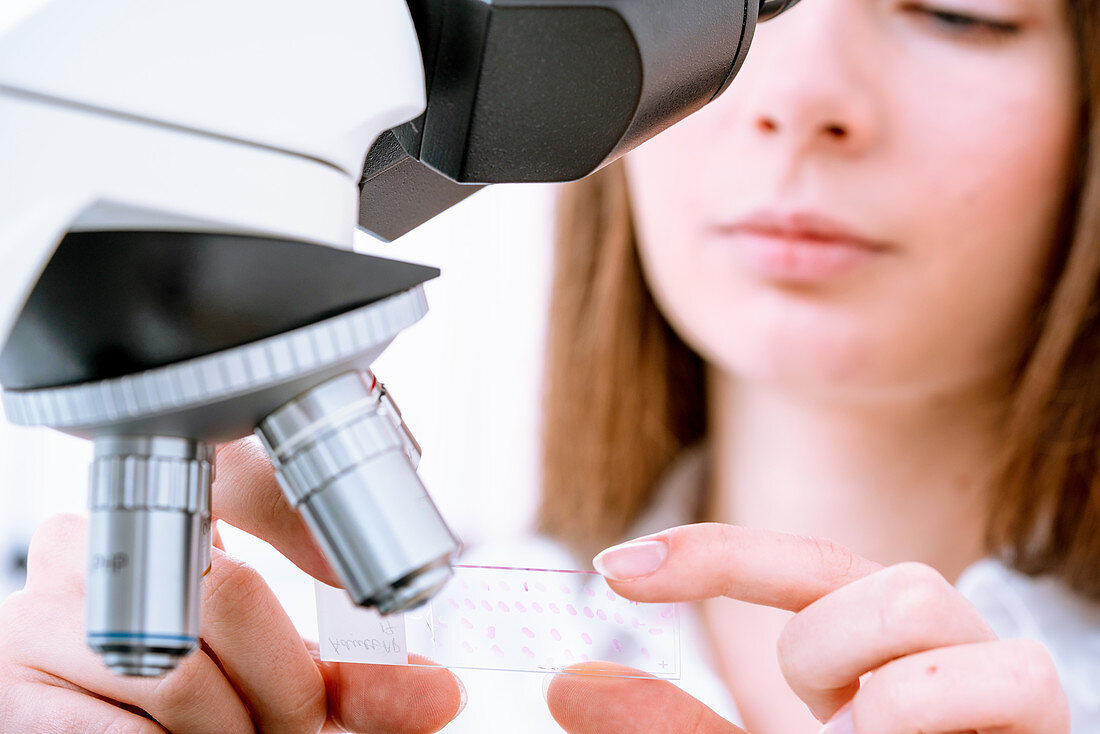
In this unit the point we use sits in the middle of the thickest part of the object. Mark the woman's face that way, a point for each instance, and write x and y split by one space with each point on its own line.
937 136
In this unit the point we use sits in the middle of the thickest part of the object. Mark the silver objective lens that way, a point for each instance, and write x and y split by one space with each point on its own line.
346 460
149 544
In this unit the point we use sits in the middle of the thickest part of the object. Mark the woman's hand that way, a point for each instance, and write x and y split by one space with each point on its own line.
253 672
936 665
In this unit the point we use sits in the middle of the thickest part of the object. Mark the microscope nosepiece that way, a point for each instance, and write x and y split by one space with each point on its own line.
346 461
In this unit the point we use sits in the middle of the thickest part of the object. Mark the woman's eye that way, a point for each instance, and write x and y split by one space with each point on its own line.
963 25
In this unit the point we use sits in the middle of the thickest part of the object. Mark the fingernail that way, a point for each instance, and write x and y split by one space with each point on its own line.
841 723
546 680
634 560
461 695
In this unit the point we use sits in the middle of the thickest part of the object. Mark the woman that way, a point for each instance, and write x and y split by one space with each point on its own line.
880 249
915 380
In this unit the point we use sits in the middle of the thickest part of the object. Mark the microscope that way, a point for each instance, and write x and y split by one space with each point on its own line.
179 188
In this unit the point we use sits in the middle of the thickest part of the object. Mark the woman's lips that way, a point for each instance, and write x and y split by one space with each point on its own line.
797 248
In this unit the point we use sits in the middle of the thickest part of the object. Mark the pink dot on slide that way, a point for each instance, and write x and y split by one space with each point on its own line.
486 606
467 624
601 615
470 604
555 634
520 608
571 609
498 651
589 591
645 653
667 613
564 589
656 631
504 585
617 645
586 638
528 653
453 603
503 606
618 618
492 632
610 595
588 612
539 586
554 608
528 632
467 647
536 606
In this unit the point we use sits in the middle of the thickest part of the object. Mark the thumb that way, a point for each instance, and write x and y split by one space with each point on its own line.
247 496
590 699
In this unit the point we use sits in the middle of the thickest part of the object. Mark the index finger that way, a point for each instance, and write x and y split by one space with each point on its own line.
247 496
701 561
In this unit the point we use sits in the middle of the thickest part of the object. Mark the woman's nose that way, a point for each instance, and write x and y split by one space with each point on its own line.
812 86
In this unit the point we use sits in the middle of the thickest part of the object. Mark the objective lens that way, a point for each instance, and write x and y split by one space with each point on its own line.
345 459
149 544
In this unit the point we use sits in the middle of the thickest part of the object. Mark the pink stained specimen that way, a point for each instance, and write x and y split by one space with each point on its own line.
503 606
467 647
656 631
525 586
486 606
441 624
645 653
528 653
539 586
536 606
635 623
554 608
667 613
528 632
588 612
589 591
467 624
470 604
564 589
492 632
453 603
601 615
520 608
555 634
465 585
618 618
586 638
571 609
617 645
498 651
610 595
585 658
486 585
504 585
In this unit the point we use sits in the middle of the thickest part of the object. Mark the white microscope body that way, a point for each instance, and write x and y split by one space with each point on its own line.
179 187
238 117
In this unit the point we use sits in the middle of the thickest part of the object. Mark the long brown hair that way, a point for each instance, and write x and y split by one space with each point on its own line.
624 395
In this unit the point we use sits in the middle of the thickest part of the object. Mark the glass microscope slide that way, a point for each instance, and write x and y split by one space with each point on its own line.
511 619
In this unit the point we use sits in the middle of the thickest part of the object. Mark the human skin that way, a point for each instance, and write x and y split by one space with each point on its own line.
858 402
253 673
